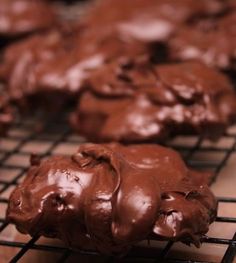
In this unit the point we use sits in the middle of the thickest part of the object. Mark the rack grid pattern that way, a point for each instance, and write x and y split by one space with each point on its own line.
54 137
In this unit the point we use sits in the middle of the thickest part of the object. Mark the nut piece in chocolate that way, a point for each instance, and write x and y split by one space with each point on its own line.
112 196
135 101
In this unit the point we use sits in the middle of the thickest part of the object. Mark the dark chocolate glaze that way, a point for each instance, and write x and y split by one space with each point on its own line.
28 51
112 196
58 61
214 43
134 101
47 66
6 114
23 59
20 17
89 53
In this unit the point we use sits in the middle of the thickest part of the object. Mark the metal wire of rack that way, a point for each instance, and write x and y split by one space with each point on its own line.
54 138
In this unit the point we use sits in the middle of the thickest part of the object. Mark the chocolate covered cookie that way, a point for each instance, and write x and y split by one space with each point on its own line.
211 41
23 59
112 196
55 64
135 101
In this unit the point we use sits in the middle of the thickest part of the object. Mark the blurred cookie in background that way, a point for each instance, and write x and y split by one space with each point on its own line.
21 17
140 102
211 41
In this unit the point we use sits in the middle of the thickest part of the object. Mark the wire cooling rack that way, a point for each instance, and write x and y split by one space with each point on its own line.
55 137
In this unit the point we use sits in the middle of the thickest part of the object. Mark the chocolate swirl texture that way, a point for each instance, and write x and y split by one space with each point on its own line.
134 101
112 196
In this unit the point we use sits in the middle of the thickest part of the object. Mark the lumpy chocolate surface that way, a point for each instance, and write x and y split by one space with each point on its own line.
135 101
210 41
19 17
22 60
61 61
111 196
58 61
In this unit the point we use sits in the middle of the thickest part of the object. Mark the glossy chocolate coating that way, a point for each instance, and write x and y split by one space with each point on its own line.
58 61
134 101
113 196
23 59
6 114
214 44
20 17
75 66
